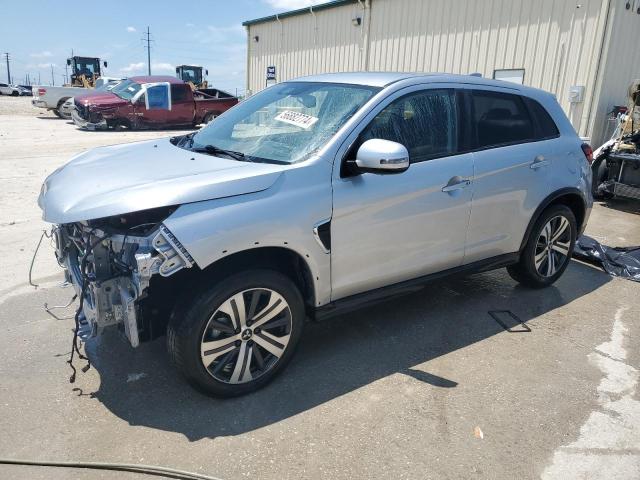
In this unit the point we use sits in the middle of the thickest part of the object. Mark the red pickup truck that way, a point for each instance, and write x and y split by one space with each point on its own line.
150 102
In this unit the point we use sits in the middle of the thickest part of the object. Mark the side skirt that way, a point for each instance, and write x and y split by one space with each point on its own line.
381 294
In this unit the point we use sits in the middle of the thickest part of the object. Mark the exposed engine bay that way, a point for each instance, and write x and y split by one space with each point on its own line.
110 263
616 165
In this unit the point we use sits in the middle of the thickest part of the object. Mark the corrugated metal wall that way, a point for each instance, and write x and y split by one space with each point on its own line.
315 42
557 42
621 63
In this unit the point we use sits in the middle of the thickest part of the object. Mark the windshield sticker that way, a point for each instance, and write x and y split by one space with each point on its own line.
296 118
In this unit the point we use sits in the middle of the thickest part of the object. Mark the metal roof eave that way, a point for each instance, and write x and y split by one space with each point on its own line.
299 11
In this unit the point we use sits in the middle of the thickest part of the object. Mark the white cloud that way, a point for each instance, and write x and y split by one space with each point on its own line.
133 67
40 65
291 4
162 67
43 54
131 29
140 68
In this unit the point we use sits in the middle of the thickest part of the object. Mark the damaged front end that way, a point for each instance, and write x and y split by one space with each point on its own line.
110 263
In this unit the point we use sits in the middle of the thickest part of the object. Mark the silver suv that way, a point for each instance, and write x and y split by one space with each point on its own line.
312 197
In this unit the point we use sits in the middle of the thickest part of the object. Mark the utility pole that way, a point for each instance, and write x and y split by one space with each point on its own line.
148 40
53 80
6 56
66 73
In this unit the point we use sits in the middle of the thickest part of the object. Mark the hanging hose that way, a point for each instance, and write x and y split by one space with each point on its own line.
120 467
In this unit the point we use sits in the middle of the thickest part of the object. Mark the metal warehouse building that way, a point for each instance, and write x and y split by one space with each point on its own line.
585 51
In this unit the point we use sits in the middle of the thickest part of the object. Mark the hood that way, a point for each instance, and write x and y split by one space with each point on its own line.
127 178
100 99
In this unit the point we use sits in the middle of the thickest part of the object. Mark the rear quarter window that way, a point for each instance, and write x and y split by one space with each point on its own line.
178 93
545 126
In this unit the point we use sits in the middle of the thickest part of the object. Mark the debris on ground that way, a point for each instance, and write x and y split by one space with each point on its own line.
616 261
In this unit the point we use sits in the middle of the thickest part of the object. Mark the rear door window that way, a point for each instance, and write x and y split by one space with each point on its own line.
424 122
500 119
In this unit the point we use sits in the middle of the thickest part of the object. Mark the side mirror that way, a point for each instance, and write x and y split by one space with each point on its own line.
382 156
177 70
105 64
69 61
206 72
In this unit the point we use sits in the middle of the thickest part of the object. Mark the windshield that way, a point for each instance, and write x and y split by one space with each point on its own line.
286 122
87 66
127 89
192 74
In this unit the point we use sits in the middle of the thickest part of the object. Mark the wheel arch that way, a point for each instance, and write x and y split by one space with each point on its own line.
570 197
281 259
61 102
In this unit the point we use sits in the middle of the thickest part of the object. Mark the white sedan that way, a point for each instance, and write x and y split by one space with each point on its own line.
14 90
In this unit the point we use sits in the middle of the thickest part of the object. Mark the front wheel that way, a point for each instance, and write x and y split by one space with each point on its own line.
238 334
548 250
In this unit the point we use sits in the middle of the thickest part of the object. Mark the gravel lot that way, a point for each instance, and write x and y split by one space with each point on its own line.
427 386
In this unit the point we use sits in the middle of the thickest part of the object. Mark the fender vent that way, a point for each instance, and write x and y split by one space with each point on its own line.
322 232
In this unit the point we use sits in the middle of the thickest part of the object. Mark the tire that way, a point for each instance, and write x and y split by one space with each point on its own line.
543 260
209 117
600 172
58 110
237 361
15 94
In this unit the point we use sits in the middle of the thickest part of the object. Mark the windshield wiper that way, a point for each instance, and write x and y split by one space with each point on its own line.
221 151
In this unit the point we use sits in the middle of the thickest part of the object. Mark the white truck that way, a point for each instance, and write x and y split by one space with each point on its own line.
53 98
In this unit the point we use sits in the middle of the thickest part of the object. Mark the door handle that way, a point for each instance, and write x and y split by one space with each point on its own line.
538 162
455 184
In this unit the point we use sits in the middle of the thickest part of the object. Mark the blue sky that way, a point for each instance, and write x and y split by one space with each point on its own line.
198 32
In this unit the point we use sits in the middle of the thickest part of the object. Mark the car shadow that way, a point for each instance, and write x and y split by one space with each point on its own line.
334 358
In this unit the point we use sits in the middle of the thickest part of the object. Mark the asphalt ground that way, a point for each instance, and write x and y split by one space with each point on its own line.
424 386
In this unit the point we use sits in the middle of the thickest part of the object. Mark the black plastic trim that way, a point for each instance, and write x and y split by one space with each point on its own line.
324 234
359 300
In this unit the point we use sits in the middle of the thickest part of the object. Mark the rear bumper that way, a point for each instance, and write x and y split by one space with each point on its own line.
82 123
39 104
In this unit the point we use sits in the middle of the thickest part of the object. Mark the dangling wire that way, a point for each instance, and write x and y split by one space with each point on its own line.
75 349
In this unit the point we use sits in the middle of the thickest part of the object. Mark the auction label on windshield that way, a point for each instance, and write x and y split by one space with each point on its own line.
298 119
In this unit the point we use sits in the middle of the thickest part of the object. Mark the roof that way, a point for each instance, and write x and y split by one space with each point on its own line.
156 78
382 79
300 11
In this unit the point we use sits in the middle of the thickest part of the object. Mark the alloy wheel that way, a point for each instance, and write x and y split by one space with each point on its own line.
246 336
552 246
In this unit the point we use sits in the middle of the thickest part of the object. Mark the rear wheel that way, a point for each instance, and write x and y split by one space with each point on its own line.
548 250
15 94
59 112
209 117
237 335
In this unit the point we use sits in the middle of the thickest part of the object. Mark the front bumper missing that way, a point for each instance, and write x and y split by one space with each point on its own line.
87 125
114 301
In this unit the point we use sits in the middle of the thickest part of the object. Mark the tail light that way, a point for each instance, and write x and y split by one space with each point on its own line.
588 152
41 91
